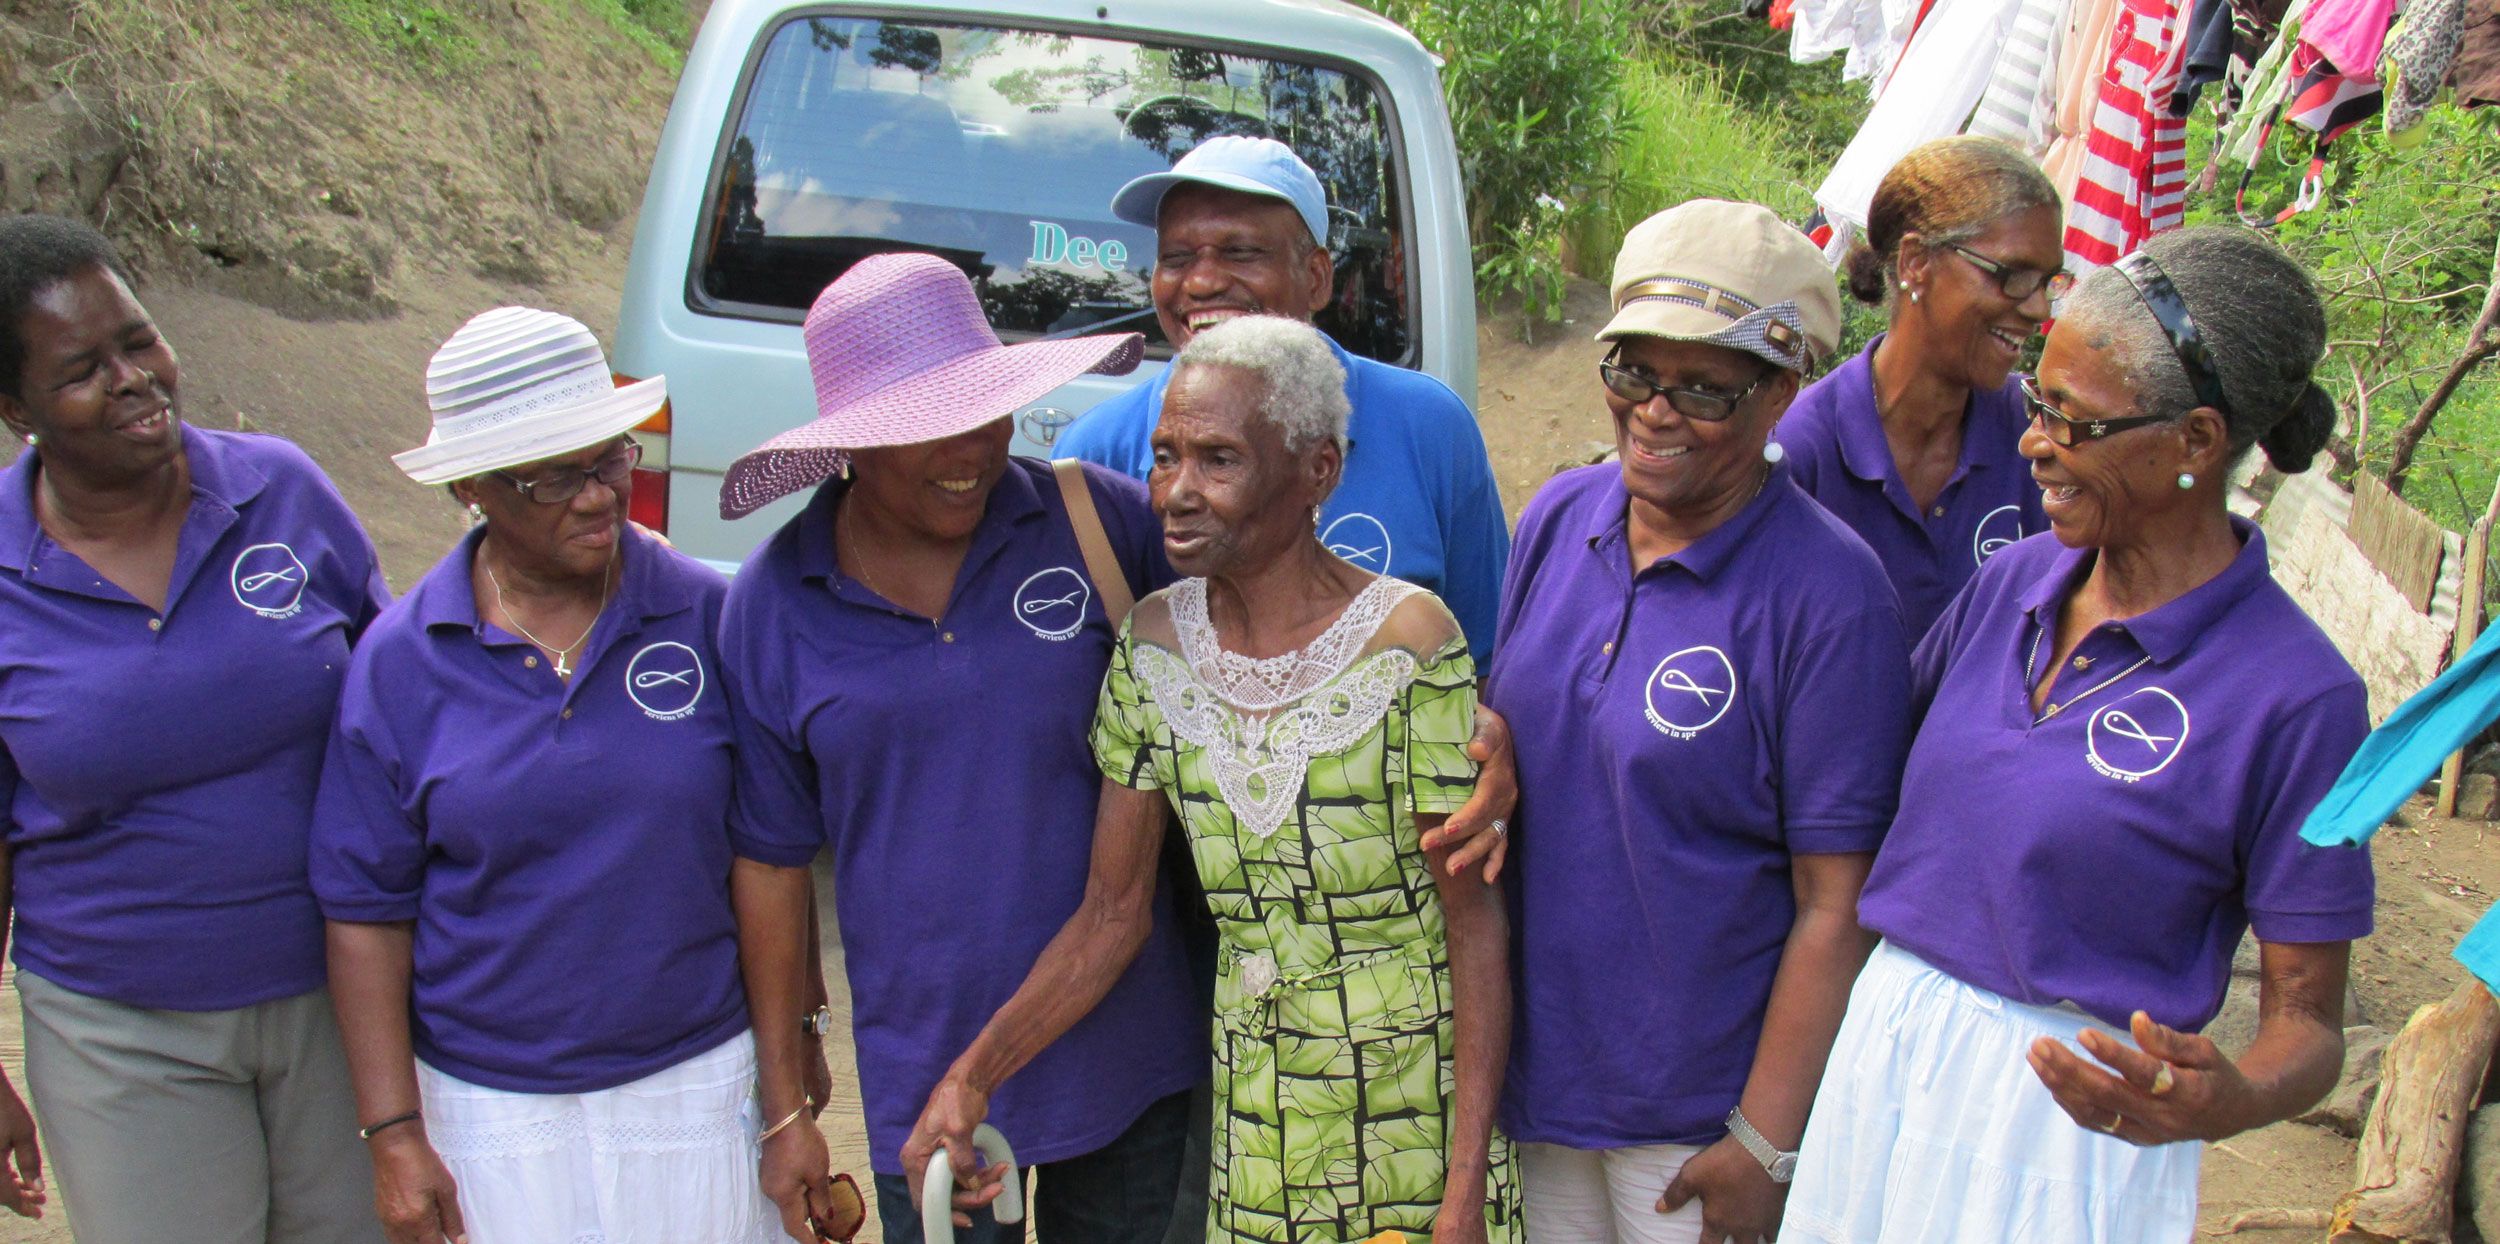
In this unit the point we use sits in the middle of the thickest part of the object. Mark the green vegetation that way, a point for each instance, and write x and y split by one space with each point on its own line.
434 37
1686 137
2403 246
662 28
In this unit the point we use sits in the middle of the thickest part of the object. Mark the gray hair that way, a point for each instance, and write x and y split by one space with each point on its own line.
1304 384
2263 324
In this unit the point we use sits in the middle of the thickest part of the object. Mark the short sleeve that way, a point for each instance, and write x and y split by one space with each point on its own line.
1122 722
775 815
368 854
1440 711
1844 735
2296 891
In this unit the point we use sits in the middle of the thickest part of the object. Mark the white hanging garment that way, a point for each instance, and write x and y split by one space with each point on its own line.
2020 102
1935 87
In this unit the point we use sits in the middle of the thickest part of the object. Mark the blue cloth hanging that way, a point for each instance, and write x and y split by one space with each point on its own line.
2400 755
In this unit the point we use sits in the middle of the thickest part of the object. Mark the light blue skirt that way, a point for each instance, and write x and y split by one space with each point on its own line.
1931 1127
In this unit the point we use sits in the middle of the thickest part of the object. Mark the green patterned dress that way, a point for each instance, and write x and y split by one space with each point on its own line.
1335 1030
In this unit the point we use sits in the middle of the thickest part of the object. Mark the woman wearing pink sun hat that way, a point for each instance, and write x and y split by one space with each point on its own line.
915 658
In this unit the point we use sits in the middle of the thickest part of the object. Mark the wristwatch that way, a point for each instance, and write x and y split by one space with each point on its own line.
1782 1166
818 1022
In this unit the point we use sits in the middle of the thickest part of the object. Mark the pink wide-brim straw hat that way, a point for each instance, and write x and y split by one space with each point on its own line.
902 354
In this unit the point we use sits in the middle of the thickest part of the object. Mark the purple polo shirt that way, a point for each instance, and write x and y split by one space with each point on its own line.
946 764
2112 855
157 770
1682 734
562 847
1837 453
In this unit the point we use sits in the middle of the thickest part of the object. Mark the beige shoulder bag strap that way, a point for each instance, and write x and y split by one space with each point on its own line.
1100 565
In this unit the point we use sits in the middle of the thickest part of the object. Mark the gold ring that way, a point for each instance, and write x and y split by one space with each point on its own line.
2116 1121
2163 1082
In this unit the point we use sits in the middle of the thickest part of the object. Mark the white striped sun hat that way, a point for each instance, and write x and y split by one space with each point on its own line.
516 385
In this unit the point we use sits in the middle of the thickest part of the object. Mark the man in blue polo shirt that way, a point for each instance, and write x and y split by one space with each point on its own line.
1241 228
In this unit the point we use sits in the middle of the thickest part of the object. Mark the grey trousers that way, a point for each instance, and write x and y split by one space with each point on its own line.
209 1127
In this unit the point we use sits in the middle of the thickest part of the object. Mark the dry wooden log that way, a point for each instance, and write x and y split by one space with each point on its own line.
2405 1174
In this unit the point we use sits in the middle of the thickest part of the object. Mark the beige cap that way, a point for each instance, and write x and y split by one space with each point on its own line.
1733 274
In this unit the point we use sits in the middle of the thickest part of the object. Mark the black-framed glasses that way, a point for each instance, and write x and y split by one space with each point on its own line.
565 483
2016 283
1699 405
2072 432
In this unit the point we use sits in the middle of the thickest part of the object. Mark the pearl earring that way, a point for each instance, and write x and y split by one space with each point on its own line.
30 440
1913 295
1772 452
476 515
2186 481
1905 284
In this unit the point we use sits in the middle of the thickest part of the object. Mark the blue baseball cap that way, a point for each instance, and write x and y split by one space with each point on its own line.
1261 166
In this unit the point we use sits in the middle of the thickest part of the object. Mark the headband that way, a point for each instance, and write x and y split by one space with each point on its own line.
2163 300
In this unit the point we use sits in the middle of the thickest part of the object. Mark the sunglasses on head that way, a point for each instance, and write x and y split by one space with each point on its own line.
2016 283
565 483
1699 405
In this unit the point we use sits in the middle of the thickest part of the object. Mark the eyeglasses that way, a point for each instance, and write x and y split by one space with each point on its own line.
2072 432
1700 405
849 1212
565 483
2015 283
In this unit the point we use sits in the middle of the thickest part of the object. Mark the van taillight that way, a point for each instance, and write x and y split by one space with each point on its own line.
649 506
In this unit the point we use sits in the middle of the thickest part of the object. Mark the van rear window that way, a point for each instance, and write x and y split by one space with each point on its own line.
999 149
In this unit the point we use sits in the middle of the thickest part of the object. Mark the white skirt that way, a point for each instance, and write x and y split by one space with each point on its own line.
668 1159
1931 1126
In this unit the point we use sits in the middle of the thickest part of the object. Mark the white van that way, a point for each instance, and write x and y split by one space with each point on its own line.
805 136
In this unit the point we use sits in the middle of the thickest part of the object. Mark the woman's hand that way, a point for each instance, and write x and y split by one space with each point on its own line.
2178 1086
412 1193
796 1171
1739 1203
1481 827
21 1164
1459 1223
954 1109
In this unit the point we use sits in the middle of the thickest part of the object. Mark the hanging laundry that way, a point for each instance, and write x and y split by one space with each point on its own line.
2349 33
2477 72
2209 47
2134 176
2269 83
1871 33
1949 62
2419 55
2019 104
2083 56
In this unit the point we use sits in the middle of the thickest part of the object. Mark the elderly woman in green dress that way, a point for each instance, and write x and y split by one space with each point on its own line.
1308 721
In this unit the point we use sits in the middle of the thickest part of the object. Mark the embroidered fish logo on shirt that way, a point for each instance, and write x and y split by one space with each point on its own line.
269 580
1689 691
1360 539
665 680
2002 526
1051 603
2136 735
